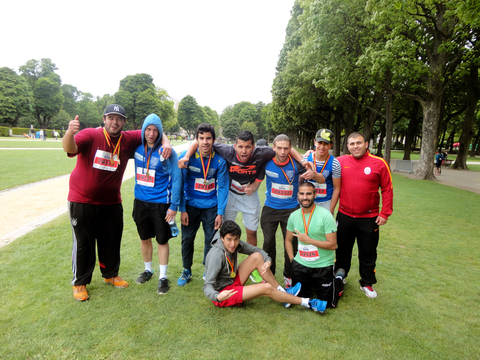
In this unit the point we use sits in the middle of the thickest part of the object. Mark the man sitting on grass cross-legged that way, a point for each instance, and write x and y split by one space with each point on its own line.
225 278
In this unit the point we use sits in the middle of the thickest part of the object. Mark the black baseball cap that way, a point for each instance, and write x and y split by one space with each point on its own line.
115 109
324 135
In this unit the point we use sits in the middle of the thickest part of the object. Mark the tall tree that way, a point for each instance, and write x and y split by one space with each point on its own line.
16 98
35 69
48 100
70 97
190 114
88 113
136 92
46 86
429 38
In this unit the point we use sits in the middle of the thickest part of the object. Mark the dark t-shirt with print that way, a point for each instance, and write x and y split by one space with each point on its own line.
244 173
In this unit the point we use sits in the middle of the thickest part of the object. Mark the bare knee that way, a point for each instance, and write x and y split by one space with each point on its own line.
267 288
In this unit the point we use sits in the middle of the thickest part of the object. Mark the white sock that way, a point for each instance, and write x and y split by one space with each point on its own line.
163 271
280 288
305 302
148 266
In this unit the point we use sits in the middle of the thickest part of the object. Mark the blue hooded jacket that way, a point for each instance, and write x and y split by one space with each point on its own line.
157 180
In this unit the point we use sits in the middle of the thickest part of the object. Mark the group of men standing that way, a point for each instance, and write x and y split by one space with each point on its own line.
209 184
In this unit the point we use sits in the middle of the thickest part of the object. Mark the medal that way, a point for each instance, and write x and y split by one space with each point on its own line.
205 170
116 149
232 274
148 174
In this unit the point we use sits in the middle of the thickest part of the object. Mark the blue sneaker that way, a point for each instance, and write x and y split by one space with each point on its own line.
294 290
185 278
317 305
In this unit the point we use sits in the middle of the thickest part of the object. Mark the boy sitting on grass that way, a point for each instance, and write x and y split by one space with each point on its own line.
225 278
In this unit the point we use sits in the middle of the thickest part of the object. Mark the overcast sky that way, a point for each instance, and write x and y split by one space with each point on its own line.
220 52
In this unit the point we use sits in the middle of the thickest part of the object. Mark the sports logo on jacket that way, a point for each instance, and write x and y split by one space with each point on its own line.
244 170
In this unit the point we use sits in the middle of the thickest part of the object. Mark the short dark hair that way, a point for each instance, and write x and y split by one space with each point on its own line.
230 227
282 137
307 183
357 134
203 128
245 135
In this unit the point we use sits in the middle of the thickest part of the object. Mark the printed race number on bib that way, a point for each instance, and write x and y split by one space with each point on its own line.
282 191
308 252
205 188
321 190
102 161
145 180
236 186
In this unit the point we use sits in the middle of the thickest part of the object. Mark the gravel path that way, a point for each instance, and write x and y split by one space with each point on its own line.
24 208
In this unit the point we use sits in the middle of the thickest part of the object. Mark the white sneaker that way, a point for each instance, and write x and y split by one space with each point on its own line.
369 291
287 282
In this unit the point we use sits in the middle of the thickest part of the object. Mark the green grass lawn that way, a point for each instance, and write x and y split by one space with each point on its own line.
21 167
30 143
428 273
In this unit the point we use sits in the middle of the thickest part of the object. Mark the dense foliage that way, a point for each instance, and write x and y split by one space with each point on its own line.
404 70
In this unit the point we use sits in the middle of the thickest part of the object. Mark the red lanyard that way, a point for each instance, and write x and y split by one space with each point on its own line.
305 224
325 164
148 158
205 171
229 262
294 171
116 149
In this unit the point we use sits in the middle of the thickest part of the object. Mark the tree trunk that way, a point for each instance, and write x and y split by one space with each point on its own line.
337 130
410 138
431 117
388 119
380 141
473 95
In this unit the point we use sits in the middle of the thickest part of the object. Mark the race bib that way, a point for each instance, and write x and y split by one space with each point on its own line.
282 191
236 186
102 161
321 190
308 252
205 186
145 179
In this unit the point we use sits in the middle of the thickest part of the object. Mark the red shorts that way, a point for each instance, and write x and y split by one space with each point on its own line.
234 300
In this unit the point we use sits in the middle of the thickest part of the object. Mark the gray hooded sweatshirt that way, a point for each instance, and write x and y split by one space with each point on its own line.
217 268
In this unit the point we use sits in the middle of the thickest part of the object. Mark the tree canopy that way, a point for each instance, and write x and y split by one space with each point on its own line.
352 65
16 98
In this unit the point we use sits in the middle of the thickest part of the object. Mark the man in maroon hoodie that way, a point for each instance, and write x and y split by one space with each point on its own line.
359 215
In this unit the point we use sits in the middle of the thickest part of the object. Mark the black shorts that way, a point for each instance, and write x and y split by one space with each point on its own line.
150 220
438 165
320 280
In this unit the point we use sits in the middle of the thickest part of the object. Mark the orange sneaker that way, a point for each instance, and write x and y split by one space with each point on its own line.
116 281
80 292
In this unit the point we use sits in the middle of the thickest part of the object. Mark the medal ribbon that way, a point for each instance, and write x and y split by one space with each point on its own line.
148 158
325 164
116 149
228 260
305 224
205 171
294 168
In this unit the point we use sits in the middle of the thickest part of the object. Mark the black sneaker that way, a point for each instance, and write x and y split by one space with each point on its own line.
163 286
144 277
